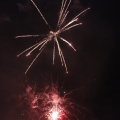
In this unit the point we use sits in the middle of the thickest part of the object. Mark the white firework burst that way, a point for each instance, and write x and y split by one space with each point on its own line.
54 35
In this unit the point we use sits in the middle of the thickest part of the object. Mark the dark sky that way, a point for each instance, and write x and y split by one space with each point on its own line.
94 68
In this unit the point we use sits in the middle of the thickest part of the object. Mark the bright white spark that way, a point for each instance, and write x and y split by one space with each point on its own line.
55 115
54 35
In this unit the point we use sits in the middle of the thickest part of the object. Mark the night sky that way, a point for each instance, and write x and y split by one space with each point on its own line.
94 68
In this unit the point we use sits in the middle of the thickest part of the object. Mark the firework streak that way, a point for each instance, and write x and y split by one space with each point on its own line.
54 35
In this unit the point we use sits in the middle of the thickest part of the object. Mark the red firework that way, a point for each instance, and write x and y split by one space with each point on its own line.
49 103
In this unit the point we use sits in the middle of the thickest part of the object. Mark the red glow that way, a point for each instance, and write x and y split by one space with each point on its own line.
48 103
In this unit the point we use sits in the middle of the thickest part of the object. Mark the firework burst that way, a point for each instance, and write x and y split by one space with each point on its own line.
49 103
54 35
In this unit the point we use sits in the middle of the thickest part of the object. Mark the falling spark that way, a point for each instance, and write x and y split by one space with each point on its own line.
54 35
49 103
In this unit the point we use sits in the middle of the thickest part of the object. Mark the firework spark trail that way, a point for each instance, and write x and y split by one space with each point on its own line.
41 14
72 21
71 27
48 103
64 13
54 53
41 49
61 11
61 56
33 61
43 42
54 35
23 36
75 18
64 18
68 43
26 50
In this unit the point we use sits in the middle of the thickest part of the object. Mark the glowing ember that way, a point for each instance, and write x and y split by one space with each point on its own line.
54 35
